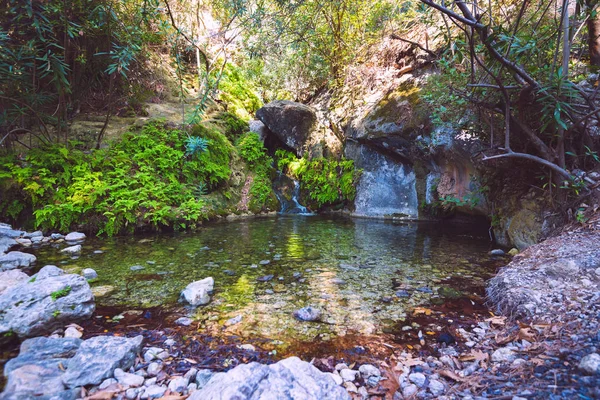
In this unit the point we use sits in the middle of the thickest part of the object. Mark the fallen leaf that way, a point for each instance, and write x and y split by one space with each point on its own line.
527 334
475 355
422 310
449 374
497 320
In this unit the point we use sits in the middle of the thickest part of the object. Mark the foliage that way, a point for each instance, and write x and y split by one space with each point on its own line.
327 182
231 125
142 179
195 145
238 93
252 150
60 293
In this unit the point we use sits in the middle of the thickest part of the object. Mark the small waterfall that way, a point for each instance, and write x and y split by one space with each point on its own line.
287 191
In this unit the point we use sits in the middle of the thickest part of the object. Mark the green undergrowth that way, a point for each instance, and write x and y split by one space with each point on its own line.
252 150
327 182
144 179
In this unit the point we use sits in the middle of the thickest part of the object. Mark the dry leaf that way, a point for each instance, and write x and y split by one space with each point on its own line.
475 355
449 374
497 320
527 334
422 310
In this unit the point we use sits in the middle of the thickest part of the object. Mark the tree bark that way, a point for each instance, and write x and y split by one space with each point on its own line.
593 25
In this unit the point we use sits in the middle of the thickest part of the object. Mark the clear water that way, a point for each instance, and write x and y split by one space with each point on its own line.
342 266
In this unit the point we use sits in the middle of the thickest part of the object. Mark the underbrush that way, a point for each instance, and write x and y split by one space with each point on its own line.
145 179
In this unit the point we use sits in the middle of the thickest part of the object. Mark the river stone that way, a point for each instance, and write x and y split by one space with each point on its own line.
590 364
75 237
291 378
28 309
16 259
72 249
11 278
368 370
6 243
37 239
265 278
402 294
154 392
24 242
179 384
349 375
291 122
436 388
98 357
154 368
309 313
183 321
7 231
418 379
504 354
89 273
198 293
127 379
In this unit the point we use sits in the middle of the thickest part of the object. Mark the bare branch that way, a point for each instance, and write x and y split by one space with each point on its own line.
539 160
396 37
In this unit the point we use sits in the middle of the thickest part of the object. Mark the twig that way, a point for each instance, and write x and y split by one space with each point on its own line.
396 37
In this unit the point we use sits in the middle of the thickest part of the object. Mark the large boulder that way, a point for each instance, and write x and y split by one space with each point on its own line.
291 122
11 278
7 231
48 300
6 243
291 378
198 293
58 367
98 357
16 259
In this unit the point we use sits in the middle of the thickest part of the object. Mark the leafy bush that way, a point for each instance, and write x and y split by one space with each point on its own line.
142 179
232 126
238 93
327 182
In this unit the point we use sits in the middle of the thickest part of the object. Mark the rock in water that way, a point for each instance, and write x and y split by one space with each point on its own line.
291 122
6 243
98 357
72 249
291 378
75 237
89 273
265 278
16 259
308 314
50 299
198 293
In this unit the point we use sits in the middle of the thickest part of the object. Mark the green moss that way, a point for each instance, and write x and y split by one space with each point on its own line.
60 293
253 152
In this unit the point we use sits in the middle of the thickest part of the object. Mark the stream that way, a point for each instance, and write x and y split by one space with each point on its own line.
366 276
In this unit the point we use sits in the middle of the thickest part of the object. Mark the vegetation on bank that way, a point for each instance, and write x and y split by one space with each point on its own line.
154 176
326 182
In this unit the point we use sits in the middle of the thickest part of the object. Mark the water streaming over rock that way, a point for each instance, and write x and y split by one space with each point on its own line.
287 191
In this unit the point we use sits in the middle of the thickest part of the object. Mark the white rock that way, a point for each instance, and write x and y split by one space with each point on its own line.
191 374
348 375
154 368
338 379
198 293
72 249
155 353
131 394
368 370
340 366
504 354
363 393
409 391
73 332
150 382
590 364
179 384
192 387
24 242
418 379
350 387
75 237
89 273
154 392
127 379
436 388
106 383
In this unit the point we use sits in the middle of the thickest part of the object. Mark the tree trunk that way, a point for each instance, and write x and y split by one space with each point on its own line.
593 25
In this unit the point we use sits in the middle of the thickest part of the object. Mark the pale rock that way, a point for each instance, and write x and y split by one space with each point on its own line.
155 353
590 364
75 237
154 392
203 376
418 379
368 370
504 354
72 332
106 383
350 387
436 387
89 273
72 249
16 259
198 293
338 379
127 379
410 390
179 384
154 368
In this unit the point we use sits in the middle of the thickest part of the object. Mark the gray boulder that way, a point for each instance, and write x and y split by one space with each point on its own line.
16 259
6 243
50 299
291 122
72 249
98 357
8 231
198 293
291 378
89 273
75 237
11 278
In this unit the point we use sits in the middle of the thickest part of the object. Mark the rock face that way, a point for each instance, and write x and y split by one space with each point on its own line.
46 301
291 378
198 293
11 278
58 367
16 259
6 243
291 122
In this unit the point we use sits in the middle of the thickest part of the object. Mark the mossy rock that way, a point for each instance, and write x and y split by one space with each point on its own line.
449 292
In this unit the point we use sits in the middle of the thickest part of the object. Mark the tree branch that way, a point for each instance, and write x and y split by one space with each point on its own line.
533 158
396 37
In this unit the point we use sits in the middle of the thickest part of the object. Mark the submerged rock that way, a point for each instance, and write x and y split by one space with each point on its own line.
265 278
48 300
89 273
309 314
291 378
198 293
72 249
16 259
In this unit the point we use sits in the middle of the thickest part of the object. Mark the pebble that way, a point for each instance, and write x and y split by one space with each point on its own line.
348 375
247 347
72 249
183 321
363 392
75 237
309 314
127 379
235 320
418 379
341 366
155 353
106 383
590 364
154 392
72 332
436 387
203 376
179 384
132 393
402 294
264 262
89 273
154 368
350 387
191 374
338 379
265 278
368 370
497 252
136 268
410 391
170 342
504 354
